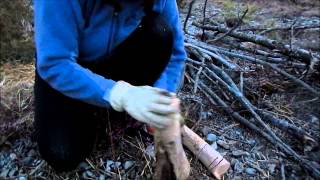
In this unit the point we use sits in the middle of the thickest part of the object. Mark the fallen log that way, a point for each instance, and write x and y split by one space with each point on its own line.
298 53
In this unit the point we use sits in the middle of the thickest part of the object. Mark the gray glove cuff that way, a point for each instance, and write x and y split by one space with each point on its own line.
117 94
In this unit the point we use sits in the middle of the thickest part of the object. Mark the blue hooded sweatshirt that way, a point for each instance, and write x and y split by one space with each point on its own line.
68 29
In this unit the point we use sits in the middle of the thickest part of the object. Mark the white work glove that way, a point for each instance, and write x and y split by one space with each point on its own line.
144 103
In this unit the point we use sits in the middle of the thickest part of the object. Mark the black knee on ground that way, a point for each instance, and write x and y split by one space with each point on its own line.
61 160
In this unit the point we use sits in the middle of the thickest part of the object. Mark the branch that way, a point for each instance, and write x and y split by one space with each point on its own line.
188 16
302 54
251 59
204 18
217 57
230 30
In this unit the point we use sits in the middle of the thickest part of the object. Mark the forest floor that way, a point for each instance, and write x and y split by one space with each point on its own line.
132 156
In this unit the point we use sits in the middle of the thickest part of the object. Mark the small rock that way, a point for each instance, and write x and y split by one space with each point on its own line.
223 153
214 145
233 161
108 165
205 130
238 153
128 164
13 156
238 167
250 171
32 153
238 132
271 168
251 142
89 174
211 137
237 178
84 166
223 144
205 115
150 151
22 178
117 165
314 119
102 177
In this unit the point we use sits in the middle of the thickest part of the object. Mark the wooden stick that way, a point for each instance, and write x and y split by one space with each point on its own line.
276 68
217 57
188 16
172 162
240 20
288 127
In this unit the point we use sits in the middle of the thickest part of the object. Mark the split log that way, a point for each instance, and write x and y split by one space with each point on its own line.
172 162
212 159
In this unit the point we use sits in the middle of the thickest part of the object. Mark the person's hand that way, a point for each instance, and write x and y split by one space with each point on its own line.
144 103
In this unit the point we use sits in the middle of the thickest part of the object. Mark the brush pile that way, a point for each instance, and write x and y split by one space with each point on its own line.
240 71
251 90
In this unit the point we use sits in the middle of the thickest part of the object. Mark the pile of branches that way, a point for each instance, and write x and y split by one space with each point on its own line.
220 52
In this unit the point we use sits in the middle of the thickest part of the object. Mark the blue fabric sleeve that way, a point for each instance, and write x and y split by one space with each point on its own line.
172 75
57 26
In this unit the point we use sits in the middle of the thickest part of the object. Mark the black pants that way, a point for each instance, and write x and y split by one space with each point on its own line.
65 127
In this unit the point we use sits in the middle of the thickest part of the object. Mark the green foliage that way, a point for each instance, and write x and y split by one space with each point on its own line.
16 32
234 10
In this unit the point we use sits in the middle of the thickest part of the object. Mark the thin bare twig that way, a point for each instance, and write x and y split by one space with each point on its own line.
188 16
204 19
298 53
230 30
217 57
251 59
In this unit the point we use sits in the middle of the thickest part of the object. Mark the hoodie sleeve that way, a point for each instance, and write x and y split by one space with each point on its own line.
57 26
171 77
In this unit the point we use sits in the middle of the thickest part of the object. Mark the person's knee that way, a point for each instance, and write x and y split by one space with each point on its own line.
61 159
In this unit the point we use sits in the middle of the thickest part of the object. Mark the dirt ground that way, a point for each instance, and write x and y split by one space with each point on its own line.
131 155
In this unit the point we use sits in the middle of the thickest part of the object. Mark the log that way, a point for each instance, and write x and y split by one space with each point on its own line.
212 159
299 53
172 162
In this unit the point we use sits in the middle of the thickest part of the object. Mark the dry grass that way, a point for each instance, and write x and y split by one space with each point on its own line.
16 96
